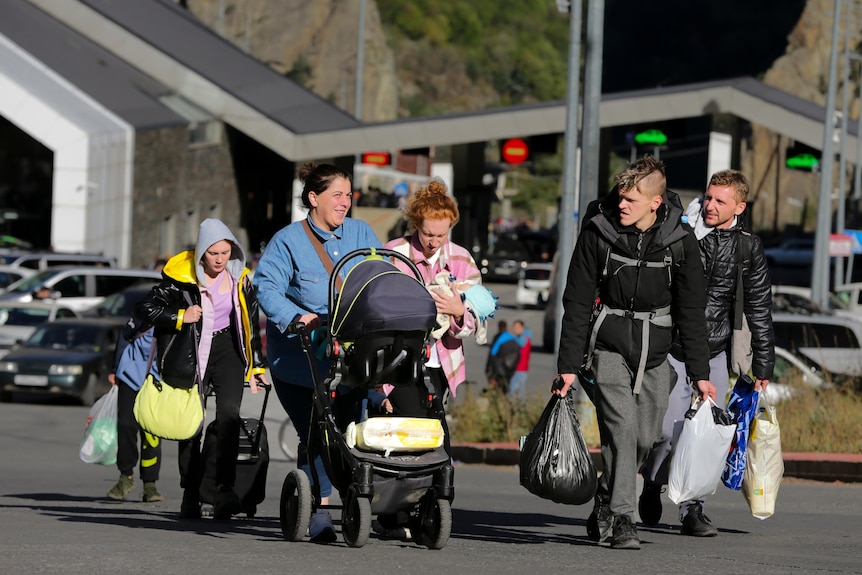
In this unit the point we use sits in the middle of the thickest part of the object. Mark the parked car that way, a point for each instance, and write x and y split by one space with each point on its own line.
80 287
792 371
505 260
44 260
534 285
792 252
66 357
9 275
18 320
830 341
120 304
798 299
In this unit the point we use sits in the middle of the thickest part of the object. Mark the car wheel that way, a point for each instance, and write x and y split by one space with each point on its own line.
90 393
5 396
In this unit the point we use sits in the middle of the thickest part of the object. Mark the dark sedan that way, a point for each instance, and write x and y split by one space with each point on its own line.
67 357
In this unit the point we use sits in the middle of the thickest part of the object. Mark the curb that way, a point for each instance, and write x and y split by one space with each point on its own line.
816 466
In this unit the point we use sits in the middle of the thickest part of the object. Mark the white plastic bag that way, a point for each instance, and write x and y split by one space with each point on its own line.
699 454
100 438
764 466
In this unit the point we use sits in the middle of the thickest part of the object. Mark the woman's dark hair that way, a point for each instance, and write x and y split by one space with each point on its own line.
317 178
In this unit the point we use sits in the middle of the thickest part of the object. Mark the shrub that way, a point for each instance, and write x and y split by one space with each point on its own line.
494 417
812 420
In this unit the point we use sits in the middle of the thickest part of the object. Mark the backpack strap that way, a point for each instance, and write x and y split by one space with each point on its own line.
659 317
743 256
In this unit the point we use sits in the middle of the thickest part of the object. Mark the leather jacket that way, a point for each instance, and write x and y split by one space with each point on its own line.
177 342
719 251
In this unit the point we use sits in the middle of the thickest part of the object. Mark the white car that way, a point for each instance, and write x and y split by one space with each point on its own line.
798 299
534 285
791 370
830 341
10 275
20 319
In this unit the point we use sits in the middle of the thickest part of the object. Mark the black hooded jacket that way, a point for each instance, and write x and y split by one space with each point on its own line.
634 288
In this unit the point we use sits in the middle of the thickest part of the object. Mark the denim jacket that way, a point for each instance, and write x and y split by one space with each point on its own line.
291 281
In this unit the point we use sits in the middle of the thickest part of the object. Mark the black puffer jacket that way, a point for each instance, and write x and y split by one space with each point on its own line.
176 344
719 252
638 289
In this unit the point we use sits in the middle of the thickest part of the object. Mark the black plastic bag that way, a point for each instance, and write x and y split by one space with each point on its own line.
555 462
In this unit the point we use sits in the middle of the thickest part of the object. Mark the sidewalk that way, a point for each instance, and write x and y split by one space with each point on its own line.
817 466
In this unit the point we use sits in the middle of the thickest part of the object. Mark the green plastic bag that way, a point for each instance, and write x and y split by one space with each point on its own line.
100 438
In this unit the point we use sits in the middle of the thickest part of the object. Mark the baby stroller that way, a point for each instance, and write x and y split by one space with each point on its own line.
379 333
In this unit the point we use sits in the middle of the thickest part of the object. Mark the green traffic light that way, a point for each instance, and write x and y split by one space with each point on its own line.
651 137
803 162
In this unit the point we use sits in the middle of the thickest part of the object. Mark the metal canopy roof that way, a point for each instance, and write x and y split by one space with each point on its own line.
168 44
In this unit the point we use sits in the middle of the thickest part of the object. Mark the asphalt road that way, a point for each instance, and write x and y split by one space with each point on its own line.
54 517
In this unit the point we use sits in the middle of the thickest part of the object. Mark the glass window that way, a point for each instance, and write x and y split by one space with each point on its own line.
72 286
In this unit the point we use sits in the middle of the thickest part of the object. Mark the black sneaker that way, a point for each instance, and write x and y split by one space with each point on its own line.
696 524
625 534
600 522
226 504
649 504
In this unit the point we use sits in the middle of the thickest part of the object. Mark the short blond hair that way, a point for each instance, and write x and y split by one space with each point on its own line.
732 179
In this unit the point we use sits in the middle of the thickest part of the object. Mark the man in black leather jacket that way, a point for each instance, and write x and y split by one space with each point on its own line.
716 221
636 255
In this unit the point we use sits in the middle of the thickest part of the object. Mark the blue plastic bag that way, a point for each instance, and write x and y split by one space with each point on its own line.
743 407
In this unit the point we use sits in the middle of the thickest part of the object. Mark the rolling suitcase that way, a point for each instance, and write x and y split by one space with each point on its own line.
251 465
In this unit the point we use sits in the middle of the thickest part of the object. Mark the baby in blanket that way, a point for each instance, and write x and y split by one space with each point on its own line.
477 299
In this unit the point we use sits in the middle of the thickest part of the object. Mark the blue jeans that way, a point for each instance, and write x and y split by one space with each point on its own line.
518 384
297 401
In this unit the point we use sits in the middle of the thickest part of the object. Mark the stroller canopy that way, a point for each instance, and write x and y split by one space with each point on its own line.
377 296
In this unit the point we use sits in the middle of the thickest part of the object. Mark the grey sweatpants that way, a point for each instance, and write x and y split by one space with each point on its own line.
629 425
657 465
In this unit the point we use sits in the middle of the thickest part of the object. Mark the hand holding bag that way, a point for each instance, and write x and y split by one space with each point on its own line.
700 453
555 462
765 465
100 439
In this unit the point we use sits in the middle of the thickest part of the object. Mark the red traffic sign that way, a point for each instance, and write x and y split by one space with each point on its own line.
515 151
376 158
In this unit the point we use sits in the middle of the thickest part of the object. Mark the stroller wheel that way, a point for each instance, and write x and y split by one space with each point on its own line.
433 525
356 519
295 505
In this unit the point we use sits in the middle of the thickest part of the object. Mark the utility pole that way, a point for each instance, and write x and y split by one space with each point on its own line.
820 268
589 180
568 195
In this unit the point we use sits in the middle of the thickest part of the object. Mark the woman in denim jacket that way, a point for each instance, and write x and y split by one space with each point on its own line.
293 285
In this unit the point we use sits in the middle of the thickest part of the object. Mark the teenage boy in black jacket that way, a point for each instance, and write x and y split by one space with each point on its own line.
635 275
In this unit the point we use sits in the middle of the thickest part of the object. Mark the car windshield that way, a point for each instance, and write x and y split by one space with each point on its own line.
509 249
23 316
120 304
31 284
537 274
64 336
